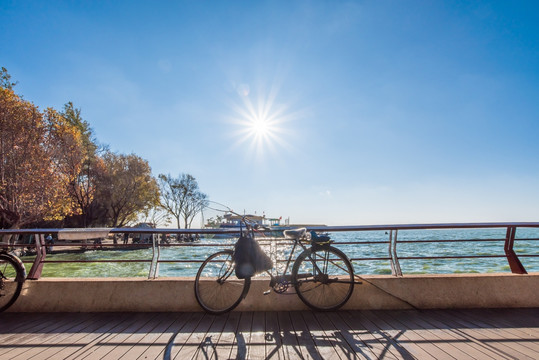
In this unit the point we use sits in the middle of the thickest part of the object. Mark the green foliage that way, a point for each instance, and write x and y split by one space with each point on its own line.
73 115
5 79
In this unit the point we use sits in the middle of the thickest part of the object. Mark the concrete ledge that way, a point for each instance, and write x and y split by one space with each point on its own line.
376 292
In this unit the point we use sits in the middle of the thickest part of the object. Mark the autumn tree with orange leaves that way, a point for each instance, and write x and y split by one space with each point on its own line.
53 172
39 157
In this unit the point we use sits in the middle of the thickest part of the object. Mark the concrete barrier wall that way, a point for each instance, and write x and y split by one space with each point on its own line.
376 292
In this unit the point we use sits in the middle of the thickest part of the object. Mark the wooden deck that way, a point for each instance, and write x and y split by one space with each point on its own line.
410 334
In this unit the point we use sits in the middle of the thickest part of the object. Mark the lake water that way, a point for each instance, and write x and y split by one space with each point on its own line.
379 249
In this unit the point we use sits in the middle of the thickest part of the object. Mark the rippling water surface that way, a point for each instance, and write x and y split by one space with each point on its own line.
362 253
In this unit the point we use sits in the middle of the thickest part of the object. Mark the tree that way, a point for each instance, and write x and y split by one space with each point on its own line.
64 145
196 203
83 187
5 79
126 188
39 153
155 215
181 197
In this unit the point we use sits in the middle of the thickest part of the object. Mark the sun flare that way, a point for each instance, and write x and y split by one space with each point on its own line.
261 125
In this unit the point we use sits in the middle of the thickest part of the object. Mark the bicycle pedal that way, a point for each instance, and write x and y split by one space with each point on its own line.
267 292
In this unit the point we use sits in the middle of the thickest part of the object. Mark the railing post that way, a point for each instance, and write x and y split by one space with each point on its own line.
514 263
394 260
41 252
395 256
154 266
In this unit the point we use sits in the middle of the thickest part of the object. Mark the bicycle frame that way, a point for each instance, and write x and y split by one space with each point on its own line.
285 278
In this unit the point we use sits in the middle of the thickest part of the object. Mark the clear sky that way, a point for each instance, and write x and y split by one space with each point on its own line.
334 112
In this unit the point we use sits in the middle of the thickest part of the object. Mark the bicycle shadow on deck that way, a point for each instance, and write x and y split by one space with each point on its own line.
293 339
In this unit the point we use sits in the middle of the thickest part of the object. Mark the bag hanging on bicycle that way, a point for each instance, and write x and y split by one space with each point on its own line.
249 257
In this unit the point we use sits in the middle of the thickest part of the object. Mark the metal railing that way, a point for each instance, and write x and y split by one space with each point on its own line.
79 239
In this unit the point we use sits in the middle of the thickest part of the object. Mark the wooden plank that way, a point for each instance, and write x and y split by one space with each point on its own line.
257 341
305 342
500 338
76 339
524 317
459 339
26 328
273 340
384 346
36 336
451 343
14 322
48 344
371 340
508 321
243 336
131 340
116 338
208 348
326 344
290 346
421 340
405 342
341 343
524 325
197 337
32 339
476 336
360 348
142 341
227 338
323 345
163 336
179 338
111 323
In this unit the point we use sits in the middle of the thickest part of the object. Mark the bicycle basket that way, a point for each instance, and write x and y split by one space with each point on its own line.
249 257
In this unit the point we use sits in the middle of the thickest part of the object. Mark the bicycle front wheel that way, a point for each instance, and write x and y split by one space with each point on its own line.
11 280
323 278
217 289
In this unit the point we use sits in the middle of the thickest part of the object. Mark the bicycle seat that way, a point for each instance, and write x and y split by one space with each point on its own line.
295 233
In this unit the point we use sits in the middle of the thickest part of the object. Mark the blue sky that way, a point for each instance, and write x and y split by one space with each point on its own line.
369 112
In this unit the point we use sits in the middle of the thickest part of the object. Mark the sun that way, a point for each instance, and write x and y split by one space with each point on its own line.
261 125
262 128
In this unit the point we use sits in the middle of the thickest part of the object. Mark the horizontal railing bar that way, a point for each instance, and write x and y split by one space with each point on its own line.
285 260
311 228
91 261
263 242
447 240
449 257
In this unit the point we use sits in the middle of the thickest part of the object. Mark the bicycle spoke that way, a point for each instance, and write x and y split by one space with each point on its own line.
10 283
217 289
330 283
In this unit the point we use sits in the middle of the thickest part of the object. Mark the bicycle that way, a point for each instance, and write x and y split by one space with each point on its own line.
321 275
12 276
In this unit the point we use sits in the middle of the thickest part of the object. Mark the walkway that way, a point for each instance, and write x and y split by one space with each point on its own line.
410 334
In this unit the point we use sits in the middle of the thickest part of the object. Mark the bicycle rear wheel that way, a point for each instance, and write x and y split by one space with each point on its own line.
217 289
12 276
323 278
